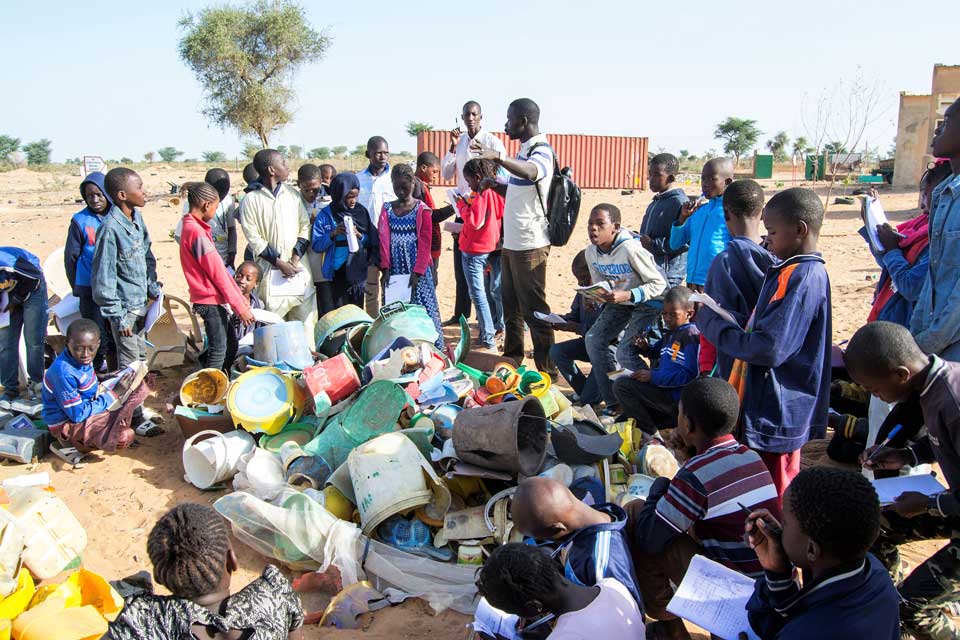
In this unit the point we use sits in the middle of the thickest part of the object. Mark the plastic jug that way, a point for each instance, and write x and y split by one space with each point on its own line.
53 536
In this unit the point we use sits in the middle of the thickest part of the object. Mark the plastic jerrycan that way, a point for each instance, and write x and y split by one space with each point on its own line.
53 536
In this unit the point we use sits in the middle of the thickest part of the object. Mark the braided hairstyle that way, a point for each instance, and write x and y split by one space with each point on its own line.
200 192
188 548
480 168
515 574
837 508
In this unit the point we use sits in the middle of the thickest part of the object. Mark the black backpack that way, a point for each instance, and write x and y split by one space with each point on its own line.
563 201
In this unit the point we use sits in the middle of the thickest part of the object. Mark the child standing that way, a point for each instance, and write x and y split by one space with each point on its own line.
482 213
223 226
737 273
193 558
211 287
783 355
405 229
632 306
78 258
344 272
247 277
376 189
651 397
428 168
583 313
661 215
23 296
315 198
701 224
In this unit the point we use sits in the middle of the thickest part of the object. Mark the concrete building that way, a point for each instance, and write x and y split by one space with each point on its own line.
919 117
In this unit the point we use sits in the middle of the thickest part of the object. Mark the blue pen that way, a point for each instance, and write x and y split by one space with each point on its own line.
890 436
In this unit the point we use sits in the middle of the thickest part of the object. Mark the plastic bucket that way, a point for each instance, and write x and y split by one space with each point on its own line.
298 432
285 343
207 386
262 400
511 436
398 319
340 318
336 377
214 459
387 475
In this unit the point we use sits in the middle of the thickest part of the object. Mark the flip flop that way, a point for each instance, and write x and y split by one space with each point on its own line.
70 455
147 429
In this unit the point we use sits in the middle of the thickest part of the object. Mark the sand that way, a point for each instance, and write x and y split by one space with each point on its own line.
118 497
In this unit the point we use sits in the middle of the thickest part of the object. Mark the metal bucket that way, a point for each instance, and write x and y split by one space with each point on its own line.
511 436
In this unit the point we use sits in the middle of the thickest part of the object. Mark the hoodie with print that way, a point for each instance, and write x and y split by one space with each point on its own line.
627 267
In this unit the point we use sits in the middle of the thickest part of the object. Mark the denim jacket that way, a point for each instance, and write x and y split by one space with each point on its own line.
936 318
124 269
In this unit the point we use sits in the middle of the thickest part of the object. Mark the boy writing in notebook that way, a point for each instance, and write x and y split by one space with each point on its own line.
782 372
885 359
737 273
830 519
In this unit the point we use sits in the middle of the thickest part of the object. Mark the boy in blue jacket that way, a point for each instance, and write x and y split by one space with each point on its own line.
782 372
23 299
737 273
701 224
78 257
583 313
661 214
651 397
830 519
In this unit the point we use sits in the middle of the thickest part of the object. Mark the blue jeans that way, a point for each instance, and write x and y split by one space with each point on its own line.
473 267
566 355
31 320
633 321
492 281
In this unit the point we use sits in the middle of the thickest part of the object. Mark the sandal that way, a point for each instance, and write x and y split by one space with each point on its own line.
70 455
147 429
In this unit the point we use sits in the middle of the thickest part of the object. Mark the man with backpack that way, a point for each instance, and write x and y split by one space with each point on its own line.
526 233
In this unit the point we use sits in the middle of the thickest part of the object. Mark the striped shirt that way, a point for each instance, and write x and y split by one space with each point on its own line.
524 219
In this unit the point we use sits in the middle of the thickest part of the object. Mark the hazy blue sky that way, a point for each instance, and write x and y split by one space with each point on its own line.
103 76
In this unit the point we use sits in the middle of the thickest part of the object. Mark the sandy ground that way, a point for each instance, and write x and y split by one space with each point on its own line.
119 497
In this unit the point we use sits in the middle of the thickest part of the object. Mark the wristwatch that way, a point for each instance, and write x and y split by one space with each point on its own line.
933 506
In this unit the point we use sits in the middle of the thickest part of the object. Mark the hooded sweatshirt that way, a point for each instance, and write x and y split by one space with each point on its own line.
82 237
657 223
706 233
627 267
334 250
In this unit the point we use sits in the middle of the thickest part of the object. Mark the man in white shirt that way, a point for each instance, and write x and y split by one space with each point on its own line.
526 241
376 188
452 166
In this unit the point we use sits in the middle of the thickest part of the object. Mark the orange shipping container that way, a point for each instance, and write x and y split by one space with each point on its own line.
598 162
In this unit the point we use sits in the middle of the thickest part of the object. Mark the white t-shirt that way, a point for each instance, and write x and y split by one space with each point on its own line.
452 165
524 218
613 615
374 191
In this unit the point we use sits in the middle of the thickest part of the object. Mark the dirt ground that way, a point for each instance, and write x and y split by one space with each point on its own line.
118 497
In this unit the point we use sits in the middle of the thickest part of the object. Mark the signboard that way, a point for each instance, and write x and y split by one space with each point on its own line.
93 163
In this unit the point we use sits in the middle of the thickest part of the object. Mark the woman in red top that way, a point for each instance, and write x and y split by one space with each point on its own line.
482 214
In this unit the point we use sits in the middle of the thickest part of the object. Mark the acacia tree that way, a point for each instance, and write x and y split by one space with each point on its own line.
148 156
739 136
778 146
414 128
214 156
38 152
169 154
8 145
320 153
246 58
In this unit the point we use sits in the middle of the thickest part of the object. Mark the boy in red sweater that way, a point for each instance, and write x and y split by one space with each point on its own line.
211 287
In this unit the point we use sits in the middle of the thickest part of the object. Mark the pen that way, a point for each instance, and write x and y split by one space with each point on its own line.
772 529
890 436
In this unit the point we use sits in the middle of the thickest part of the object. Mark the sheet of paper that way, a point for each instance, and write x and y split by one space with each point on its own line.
713 305
552 318
452 227
154 311
493 622
5 314
619 373
398 289
595 291
295 286
265 317
714 598
350 228
874 216
889 488
452 197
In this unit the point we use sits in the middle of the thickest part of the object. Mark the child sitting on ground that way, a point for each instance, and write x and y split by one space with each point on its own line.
651 397
210 286
192 556
698 511
583 313
830 519
701 224
736 274
247 277
525 581
885 359
661 214
783 366
632 304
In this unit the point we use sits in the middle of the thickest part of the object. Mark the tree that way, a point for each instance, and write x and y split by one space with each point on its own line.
284 151
246 58
320 153
739 136
835 146
801 147
359 150
126 160
169 154
684 155
340 151
8 145
778 146
38 152
148 156
414 128
214 156
250 149
296 151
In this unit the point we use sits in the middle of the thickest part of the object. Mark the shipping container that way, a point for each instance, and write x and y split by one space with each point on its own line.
598 162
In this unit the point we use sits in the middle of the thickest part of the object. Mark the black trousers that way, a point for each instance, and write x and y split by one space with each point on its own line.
652 407
216 327
461 305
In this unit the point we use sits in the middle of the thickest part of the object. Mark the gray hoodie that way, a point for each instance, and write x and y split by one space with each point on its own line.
627 267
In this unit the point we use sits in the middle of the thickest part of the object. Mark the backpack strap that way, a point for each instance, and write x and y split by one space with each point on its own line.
556 169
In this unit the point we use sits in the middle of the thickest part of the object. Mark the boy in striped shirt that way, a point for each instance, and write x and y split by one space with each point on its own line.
699 510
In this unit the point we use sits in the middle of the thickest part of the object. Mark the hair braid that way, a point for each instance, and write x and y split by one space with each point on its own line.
188 547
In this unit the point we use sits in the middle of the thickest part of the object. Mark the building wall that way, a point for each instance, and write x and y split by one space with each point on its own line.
913 140
945 89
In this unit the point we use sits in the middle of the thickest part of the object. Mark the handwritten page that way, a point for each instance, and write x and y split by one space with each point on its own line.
713 305
874 215
295 286
552 318
398 289
889 488
714 598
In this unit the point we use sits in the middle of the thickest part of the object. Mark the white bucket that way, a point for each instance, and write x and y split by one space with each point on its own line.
214 459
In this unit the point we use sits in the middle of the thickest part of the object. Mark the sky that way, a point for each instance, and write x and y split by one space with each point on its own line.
103 77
